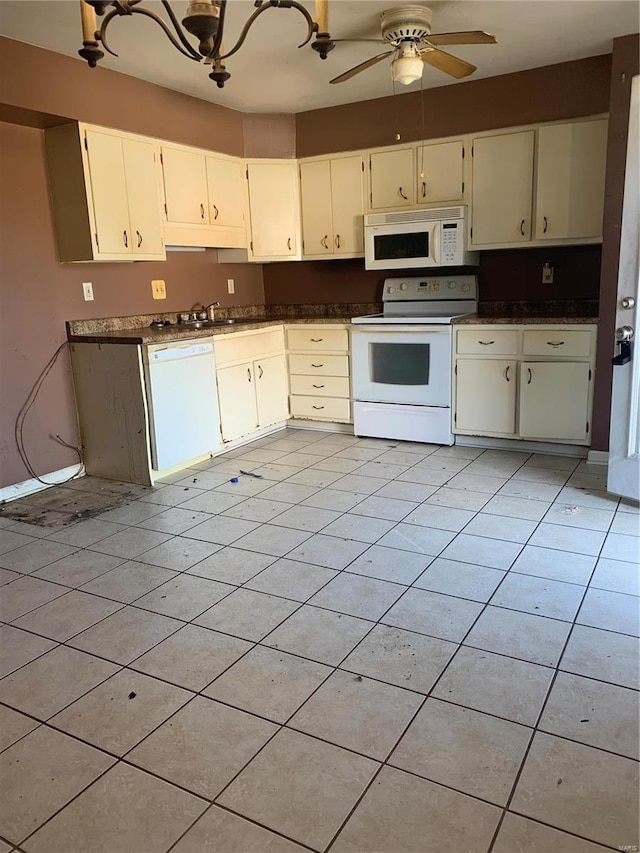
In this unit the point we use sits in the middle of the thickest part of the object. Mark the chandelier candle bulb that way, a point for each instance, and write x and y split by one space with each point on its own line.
89 23
322 16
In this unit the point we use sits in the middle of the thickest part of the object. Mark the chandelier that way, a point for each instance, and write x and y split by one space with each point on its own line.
204 19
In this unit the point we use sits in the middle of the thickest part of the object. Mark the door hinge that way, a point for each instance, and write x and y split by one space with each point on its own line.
97 243
251 245
371 199
472 150
463 187
589 374
455 370
362 165
455 418
369 163
587 427
471 233
86 143
166 212
161 159
463 153
246 173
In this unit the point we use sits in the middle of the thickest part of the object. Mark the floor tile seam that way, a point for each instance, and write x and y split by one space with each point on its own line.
138 606
72 636
546 731
565 831
39 723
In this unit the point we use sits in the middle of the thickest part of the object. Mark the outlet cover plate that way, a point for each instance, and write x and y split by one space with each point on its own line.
231 285
87 291
158 288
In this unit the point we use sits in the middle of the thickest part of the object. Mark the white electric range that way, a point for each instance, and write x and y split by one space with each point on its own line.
401 359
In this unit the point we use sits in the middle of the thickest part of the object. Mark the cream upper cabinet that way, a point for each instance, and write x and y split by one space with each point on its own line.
105 192
274 210
502 188
555 400
440 172
185 186
204 198
570 180
392 179
225 190
142 188
315 197
486 396
332 206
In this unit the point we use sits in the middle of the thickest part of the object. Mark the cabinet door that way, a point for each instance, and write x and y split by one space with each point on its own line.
109 194
225 184
392 176
273 207
185 186
271 390
347 205
554 400
144 201
570 183
502 188
315 188
439 170
237 397
486 396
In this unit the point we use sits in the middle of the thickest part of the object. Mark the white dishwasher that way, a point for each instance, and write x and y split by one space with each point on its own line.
182 397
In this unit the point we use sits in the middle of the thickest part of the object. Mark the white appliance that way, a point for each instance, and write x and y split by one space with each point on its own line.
401 359
182 397
417 239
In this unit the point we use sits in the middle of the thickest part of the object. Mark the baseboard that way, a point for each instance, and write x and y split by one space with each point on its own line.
323 426
598 457
29 487
516 444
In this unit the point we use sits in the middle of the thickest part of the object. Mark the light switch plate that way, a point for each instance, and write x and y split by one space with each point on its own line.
158 289
87 291
547 274
231 286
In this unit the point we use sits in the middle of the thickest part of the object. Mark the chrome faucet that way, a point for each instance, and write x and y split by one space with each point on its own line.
210 309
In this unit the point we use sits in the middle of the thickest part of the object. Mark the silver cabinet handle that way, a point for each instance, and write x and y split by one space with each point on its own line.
317 386
337 241
216 212
139 238
555 343
126 239
506 373
522 227
317 340
424 189
261 374
289 243
202 211
530 376
544 230
323 242
248 374
401 194
317 365
486 343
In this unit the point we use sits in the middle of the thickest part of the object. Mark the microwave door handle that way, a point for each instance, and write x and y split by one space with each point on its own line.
434 244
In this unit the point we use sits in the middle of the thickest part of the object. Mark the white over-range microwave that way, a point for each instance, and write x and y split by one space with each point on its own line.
417 239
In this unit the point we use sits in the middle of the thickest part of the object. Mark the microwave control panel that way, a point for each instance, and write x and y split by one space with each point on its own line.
450 238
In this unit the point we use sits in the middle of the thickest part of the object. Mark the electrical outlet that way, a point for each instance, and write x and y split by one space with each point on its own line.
87 291
158 289
547 274
231 285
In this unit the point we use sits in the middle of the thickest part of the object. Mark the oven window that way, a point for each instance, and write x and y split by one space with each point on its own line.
399 364
388 247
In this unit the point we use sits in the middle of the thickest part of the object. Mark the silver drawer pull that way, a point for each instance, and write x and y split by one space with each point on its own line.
555 343
486 343
317 386
317 340
317 365
318 407
506 373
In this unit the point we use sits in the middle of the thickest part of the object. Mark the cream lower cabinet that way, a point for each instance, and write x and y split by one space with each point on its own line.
105 191
543 391
319 376
252 381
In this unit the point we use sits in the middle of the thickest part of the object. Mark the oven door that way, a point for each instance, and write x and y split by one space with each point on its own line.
402 364
411 245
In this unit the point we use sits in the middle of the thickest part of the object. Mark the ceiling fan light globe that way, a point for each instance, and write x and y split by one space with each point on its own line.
406 69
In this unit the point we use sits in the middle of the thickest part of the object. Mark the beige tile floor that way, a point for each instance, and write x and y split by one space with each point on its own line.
377 647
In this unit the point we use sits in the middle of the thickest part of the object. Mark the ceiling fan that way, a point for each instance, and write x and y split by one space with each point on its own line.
407 31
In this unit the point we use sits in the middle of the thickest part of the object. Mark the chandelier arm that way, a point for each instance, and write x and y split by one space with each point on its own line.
174 41
217 42
282 4
194 53
102 32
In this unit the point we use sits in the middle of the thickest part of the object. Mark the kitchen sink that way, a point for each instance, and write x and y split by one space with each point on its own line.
205 324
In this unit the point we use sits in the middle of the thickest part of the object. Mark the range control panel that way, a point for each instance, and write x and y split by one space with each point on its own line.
430 288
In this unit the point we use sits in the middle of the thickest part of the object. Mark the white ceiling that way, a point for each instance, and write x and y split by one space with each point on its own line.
269 73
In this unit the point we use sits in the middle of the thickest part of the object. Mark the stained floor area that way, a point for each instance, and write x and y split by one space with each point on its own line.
372 647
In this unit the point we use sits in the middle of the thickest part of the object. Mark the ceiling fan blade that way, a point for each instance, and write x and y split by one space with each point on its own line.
470 37
362 67
447 63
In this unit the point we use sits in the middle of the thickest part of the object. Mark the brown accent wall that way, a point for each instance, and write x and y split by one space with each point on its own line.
625 65
566 90
37 295
269 135
40 81
502 276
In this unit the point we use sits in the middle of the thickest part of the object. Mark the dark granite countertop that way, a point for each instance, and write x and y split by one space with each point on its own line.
524 321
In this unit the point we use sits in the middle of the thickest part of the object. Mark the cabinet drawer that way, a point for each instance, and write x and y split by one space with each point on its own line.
318 340
320 408
240 347
314 386
319 365
489 342
560 343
